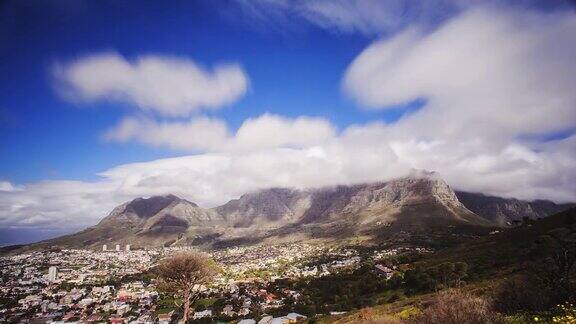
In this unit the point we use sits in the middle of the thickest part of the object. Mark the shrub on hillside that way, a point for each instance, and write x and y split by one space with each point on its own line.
549 280
565 313
523 294
457 307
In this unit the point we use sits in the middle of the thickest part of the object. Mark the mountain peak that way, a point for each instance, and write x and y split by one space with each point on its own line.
421 185
148 207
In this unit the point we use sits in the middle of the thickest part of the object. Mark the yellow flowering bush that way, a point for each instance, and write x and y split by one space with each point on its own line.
408 312
567 314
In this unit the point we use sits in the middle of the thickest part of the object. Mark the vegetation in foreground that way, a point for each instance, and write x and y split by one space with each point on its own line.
523 275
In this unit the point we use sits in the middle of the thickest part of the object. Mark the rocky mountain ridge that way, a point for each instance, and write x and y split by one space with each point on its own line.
505 211
419 203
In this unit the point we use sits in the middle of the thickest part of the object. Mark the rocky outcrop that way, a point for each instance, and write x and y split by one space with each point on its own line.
276 205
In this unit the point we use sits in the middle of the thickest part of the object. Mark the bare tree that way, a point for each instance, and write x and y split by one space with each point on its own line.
183 275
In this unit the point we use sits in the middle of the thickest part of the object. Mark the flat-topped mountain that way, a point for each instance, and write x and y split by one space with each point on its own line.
283 205
419 203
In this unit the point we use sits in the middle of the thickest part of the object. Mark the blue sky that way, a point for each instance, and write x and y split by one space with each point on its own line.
292 73
315 93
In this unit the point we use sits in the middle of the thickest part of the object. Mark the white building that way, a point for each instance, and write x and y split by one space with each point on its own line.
104 248
247 321
385 271
294 317
127 247
202 314
118 247
52 274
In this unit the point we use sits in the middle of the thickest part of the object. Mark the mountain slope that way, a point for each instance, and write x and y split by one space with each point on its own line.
264 206
145 222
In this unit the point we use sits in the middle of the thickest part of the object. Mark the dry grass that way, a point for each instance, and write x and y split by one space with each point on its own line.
450 307
456 307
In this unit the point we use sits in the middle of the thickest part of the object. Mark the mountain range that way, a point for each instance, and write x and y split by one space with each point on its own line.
420 203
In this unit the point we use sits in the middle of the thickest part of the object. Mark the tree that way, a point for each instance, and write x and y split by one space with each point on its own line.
183 275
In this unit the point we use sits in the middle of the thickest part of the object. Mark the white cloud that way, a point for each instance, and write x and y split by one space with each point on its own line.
368 17
169 86
485 74
205 134
275 131
371 17
7 186
200 133
56 204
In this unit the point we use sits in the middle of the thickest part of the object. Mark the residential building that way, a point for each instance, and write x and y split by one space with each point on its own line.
52 274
